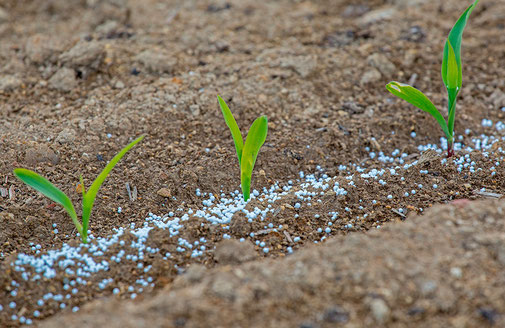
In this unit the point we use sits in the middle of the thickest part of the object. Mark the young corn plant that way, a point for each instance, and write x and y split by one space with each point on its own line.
45 187
247 152
452 77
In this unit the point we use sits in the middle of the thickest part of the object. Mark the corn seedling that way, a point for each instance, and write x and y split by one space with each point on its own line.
247 152
452 77
45 187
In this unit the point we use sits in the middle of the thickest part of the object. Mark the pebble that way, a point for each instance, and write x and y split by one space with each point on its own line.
63 80
164 192
156 61
67 135
119 85
43 49
303 65
497 98
84 56
370 76
428 287
456 272
376 15
40 153
382 63
231 251
10 83
107 28
194 109
379 309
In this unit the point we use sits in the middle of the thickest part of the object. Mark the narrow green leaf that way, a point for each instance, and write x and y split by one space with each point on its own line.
453 85
418 99
89 198
452 95
255 139
454 39
45 187
234 129
452 77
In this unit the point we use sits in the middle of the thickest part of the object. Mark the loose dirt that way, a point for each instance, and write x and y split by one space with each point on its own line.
80 79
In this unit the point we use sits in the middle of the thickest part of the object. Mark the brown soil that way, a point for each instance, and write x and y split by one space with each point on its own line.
443 269
80 79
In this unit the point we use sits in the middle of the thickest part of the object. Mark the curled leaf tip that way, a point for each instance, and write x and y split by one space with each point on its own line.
396 87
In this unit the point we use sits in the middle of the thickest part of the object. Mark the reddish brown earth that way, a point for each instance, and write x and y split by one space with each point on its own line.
79 79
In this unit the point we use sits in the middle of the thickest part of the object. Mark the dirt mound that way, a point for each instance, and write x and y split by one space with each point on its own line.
443 269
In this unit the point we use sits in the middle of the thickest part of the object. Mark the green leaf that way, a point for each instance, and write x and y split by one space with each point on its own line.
89 198
452 77
45 187
255 139
234 129
454 39
453 87
418 99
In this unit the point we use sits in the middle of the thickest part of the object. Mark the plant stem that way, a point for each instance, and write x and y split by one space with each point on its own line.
450 150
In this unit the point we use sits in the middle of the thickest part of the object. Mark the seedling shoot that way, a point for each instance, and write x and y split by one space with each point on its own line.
45 187
452 77
247 152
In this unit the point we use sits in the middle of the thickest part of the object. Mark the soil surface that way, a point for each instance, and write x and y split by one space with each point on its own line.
345 164
443 269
